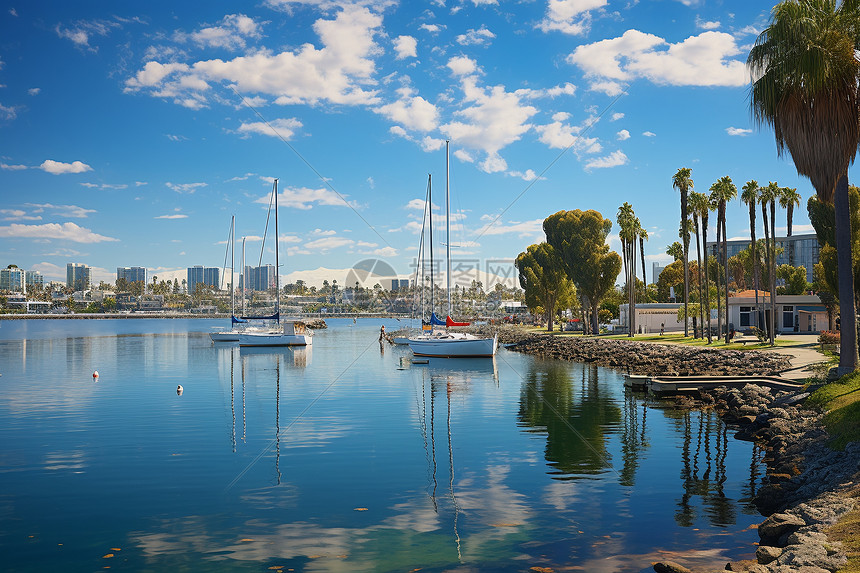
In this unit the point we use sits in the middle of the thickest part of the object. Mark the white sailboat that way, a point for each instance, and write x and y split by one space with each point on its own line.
448 344
231 335
287 332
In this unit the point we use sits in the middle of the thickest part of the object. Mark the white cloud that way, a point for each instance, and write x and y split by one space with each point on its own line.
474 37
281 127
553 92
705 25
34 91
623 135
62 210
432 28
185 187
703 60
58 168
494 119
521 228
738 131
462 65
8 112
383 252
649 134
104 185
405 47
62 231
231 34
175 216
560 135
464 156
616 116
529 175
610 88
569 16
419 205
12 167
305 198
614 159
328 243
81 32
411 111
18 215
335 73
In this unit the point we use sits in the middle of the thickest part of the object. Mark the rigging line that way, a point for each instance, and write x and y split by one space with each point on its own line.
548 167
296 419
266 228
306 162
564 421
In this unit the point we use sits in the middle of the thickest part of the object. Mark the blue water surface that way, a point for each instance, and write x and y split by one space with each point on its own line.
345 457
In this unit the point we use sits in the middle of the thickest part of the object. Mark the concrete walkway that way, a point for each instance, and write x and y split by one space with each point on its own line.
802 355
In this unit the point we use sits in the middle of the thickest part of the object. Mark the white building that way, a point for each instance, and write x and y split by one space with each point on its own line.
794 313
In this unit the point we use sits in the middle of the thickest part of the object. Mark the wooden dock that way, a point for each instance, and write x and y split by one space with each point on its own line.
671 385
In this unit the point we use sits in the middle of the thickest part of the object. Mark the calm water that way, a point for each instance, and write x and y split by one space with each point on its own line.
336 459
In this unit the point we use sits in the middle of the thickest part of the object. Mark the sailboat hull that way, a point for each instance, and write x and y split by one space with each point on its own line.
274 339
224 336
451 346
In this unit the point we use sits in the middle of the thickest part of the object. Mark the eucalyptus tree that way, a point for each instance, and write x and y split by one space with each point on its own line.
749 197
699 206
683 183
543 278
806 85
789 198
579 237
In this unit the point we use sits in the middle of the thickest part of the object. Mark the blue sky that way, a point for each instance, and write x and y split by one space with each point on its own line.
130 133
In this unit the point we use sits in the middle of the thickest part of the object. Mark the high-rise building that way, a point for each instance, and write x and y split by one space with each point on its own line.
12 279
397 284
77 276
802 250
34 278
131 274
259 278
205 275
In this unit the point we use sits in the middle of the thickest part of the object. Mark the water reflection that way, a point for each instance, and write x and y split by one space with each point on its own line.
703 473
576 423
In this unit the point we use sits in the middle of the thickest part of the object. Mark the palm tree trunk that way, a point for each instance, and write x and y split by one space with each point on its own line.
707 279
847 311
726 267
699 273
773 321
631 246
642 252
766 259
755 260
719 259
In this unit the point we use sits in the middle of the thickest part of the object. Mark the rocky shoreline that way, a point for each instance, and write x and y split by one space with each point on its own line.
643 357
808 486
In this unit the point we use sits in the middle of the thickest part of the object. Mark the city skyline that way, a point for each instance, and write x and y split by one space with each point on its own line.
167 120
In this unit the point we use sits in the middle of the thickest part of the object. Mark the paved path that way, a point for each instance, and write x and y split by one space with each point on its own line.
802 355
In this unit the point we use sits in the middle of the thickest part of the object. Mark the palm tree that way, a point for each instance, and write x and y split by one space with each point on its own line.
768 196
699 205
727 191
628 224
806 85
682 182
704 213
643 236
715 204
750 198
789 198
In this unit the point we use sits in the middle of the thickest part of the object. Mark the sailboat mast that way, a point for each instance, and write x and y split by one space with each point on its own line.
448 224
244 276
277 265
232 269
432 283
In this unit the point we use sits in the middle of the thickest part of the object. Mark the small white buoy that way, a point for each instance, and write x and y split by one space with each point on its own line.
179 390
95 374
